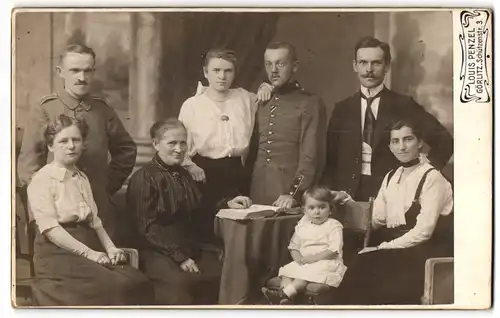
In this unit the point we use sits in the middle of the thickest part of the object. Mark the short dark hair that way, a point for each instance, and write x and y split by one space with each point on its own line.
292 53
371 42
220 53
62 121
407 122
319 193
77 48
160 127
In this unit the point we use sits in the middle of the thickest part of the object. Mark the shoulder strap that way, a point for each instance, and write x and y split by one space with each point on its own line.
48 97
101 99
390 174
421 184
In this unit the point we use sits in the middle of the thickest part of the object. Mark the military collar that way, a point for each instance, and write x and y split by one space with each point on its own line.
73 103
288 87
59 173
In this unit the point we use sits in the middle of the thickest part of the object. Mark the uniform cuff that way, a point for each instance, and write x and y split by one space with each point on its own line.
294 188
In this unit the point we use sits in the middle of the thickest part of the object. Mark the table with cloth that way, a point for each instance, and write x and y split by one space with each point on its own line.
254 250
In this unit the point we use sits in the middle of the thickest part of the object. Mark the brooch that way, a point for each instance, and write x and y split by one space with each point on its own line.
224 117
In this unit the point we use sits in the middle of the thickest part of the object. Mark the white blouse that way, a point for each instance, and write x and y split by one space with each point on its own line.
219 129
57 195
394 200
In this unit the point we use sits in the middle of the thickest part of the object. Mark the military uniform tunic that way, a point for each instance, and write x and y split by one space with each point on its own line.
288 144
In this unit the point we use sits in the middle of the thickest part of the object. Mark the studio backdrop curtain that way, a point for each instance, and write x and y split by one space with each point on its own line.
186 36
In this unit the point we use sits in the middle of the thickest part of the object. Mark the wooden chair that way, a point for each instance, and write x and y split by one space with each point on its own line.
356 218
439 281
22 285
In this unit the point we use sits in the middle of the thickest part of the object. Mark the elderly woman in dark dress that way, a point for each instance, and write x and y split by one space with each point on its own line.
165 202
76 263
412 220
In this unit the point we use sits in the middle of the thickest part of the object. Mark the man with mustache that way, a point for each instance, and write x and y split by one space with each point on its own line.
357 154
106 133
288 141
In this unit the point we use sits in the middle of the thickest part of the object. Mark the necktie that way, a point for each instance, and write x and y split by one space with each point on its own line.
370 121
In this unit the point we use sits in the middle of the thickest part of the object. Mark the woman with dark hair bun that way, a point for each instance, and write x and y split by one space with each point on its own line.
76 263
412 221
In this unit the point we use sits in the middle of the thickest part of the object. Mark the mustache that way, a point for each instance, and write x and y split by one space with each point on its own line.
81 83
369 75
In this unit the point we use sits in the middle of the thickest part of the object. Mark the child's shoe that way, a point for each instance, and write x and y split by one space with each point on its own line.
274 296
286 301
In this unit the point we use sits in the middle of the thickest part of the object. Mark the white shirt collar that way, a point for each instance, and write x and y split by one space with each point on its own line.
58 172
372 91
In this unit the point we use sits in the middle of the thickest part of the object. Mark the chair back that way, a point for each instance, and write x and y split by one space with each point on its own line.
27 230
357 217
439 281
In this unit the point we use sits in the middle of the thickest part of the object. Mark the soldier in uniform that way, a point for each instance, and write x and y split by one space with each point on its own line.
106 133
289 137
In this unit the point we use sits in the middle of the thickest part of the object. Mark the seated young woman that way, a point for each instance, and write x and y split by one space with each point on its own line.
165 203
76 263
411 213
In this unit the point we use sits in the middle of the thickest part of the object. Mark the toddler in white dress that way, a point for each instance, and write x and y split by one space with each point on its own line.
315 247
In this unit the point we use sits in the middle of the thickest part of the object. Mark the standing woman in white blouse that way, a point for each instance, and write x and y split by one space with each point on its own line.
220 122
412 220
76 263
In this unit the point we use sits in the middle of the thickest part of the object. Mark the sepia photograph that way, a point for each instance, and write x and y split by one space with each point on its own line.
256 158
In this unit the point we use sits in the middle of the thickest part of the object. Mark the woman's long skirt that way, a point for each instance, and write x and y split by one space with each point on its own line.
66 279
389 276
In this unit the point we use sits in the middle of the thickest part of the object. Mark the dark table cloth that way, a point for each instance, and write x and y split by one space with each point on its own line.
254 250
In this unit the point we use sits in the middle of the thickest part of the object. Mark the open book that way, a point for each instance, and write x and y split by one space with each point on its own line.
255 211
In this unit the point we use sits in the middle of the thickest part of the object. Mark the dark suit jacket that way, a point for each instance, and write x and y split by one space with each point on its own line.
343 165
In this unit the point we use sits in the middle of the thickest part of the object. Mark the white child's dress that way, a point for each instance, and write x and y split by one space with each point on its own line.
311 239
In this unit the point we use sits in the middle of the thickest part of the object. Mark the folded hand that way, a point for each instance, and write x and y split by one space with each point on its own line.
98 257
190 266
117 255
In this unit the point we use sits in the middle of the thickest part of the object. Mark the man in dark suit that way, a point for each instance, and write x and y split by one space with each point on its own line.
358 155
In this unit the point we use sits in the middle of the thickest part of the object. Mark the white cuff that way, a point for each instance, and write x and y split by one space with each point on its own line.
386 245
349 198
